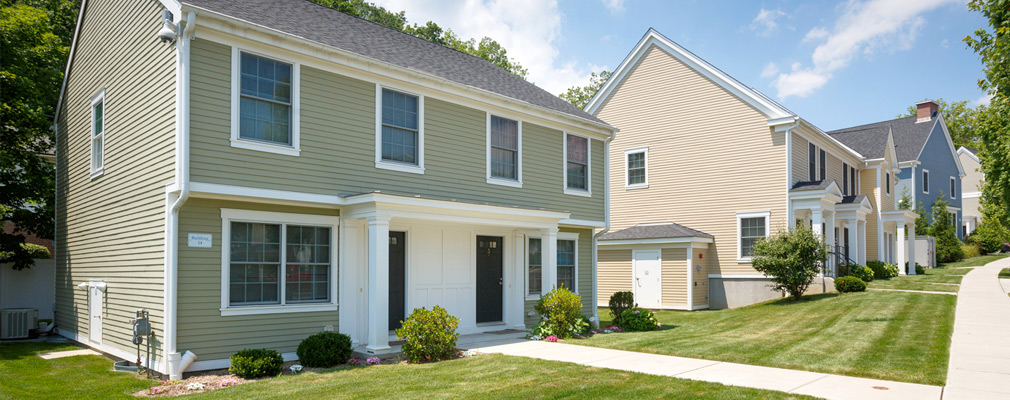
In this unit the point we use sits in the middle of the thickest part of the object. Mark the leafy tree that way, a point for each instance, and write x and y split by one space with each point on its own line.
961 120
922 222
792 258
948 248
486 48
34 41
905 201
992 44
580 95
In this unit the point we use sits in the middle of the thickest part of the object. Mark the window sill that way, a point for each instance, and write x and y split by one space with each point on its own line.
277 309
505 182
265 147
393 166
98 173
633 187
578 192
532 297
745 260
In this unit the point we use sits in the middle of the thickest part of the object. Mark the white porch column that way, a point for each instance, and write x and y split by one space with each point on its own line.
549 259
900 247
911 249
378 284
353 314
861 242
853 225
816 219
829 238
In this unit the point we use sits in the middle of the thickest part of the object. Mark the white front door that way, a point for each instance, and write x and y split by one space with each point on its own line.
648 283
95 310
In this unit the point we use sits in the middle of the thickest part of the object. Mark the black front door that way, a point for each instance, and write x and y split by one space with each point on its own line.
489 279
397 278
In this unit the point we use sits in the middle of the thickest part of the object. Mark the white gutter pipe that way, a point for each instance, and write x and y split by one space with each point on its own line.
175 199
606 218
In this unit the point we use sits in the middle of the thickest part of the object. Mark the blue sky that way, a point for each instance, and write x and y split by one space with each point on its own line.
836 64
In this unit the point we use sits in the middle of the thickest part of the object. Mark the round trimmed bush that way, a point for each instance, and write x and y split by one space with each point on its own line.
324 349
619 302
255 363
639 319
561 314
861 272
429 335
882 270
848 284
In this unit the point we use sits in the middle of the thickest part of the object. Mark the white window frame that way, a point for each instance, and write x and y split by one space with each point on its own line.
588 192
236 95
518 182
953 219
887 182
925 181
739 231
236 215
953 188
526 268
393 165
627 170
845 180
97 167
812 152
569 236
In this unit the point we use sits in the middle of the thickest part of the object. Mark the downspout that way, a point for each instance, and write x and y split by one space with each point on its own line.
606 226
176 198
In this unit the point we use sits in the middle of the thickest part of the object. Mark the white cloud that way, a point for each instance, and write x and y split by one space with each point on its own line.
615 6
764 23
770 70
984 100
814 34
945 44
529 29
863 27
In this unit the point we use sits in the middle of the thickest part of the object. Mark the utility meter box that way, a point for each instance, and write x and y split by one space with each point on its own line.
142 327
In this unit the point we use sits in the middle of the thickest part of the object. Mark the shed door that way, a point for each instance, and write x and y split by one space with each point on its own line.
648 282
95 310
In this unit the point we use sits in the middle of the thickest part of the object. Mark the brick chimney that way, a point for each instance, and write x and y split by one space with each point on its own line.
926 110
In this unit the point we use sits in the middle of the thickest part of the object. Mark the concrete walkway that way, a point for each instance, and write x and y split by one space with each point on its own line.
785 380
979 365
914 291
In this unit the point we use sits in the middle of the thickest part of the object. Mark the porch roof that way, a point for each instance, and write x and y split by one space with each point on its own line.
853 199
811 185
660 230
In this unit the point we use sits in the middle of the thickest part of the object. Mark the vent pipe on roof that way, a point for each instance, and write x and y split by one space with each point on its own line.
926 110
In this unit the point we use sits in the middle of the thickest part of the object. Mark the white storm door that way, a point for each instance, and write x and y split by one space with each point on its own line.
648 282
95 311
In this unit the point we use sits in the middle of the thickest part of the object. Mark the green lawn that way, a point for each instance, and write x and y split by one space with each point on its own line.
944 273
887 335
1005 273
24 375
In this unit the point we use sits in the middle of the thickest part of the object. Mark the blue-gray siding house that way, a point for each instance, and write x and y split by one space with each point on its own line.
927 157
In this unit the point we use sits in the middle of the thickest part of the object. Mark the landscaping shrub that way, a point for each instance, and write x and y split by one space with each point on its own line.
255 363
791 258
989 236
561 315
919 270
948 247
882 270
863 273
429 335
848 284
324 349
639 319
970 250
619 302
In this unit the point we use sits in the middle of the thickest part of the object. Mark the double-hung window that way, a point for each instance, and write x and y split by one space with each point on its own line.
566 264
925 181
276 262
504 156
953 187
750 228
887 182
852 181
98 134
534 269
824 166
637 170
264 103
576 164
812 162
400 137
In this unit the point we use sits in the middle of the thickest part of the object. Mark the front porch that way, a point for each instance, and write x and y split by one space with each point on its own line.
840 220
473 341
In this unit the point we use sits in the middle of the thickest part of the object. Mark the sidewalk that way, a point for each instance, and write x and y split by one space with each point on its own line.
979 365
785 380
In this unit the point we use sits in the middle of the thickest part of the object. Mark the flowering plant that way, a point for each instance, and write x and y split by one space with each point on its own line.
158 390
295 368
551 338
639 319
354 361
373 361
613 328
229 382
195 386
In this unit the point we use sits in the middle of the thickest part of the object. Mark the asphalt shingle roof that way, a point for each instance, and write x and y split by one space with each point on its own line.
362 37
655 231
811 185
871 140
853 199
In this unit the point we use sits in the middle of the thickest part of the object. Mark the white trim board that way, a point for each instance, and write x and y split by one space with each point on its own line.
417 168
294 148
222 363
159 365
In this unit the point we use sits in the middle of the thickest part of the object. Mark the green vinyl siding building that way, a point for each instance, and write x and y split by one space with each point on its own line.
275 180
